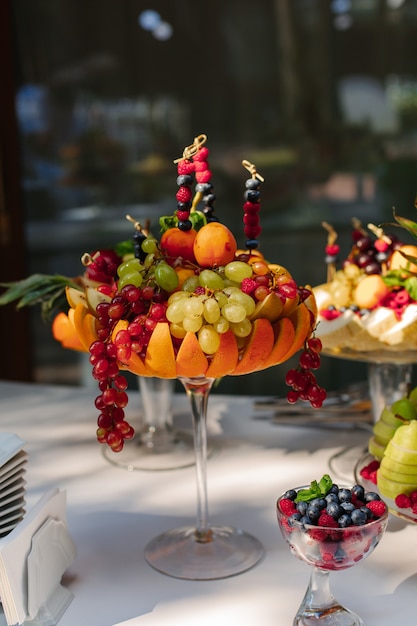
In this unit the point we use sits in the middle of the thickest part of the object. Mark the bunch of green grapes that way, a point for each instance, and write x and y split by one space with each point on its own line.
209 314
152 269
344 284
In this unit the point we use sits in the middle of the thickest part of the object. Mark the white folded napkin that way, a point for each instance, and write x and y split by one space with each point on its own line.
33 557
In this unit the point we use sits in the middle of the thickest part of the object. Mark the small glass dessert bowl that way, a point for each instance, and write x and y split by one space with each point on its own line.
331 529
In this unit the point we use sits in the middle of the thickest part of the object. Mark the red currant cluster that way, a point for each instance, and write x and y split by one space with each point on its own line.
302 380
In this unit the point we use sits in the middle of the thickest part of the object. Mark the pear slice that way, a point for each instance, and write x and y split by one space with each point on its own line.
397 477
391 488
388 417
391 465
375 448
75 296
94 298
383 433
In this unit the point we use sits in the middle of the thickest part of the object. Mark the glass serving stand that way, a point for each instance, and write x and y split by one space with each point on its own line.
202 551
389 376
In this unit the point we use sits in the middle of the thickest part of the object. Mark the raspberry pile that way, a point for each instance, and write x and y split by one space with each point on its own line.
338 508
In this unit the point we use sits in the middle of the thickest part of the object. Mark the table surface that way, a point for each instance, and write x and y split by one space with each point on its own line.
114 513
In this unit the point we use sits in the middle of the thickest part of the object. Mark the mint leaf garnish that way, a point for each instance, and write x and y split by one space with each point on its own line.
411 285
316 489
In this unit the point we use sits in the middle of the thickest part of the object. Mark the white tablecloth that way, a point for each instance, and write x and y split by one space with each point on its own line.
113 513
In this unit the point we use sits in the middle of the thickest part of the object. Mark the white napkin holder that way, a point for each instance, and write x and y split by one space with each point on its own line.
33 558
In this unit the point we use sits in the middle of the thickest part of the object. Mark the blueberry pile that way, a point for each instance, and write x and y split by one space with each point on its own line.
337 508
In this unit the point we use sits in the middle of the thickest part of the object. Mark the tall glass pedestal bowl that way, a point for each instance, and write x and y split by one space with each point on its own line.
202 551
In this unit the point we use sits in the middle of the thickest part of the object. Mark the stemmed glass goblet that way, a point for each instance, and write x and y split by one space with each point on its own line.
202 551
328 549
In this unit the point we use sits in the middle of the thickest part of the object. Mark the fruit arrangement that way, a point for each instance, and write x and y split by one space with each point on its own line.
370 302
393 446
331 526
190 303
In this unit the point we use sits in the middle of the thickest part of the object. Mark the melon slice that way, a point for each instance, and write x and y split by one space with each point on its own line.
225 359
258 348
301 320
284 334
191 360
160 356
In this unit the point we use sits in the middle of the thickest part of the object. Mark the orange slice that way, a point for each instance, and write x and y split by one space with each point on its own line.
136 365
284 334
258 348
64 332
225 359
77 318
191 360
160 356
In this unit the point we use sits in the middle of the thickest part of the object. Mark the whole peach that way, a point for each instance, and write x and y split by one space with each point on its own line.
177 243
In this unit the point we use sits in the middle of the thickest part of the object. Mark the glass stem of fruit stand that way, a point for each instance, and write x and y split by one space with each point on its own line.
388 382
198 391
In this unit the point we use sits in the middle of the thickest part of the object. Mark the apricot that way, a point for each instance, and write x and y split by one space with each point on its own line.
177 243
369 291
398 261
214 245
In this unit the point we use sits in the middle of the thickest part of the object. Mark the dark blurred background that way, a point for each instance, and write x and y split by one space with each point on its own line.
99 97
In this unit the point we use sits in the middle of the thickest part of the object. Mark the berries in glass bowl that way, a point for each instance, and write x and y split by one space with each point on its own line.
331 526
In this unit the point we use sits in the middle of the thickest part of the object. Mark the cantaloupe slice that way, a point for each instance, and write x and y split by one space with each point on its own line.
191 360
64 332
258 348
225 359
160 356
284 333
301 320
